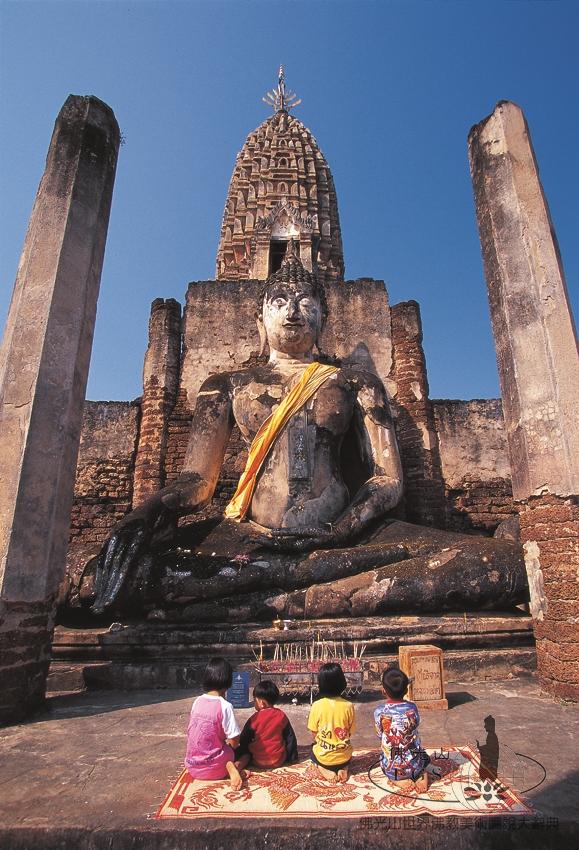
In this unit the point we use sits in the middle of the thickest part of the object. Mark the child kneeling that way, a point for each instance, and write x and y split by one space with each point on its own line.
213 731
331 722
402 758
267 739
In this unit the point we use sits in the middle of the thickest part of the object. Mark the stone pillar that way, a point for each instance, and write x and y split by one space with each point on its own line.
415 426
537 361
44 364
160 385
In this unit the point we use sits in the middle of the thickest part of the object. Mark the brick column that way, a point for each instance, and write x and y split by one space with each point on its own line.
539 375
44 364
160 384
415 427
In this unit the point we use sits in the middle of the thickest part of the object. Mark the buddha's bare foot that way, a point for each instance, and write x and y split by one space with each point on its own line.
343 775
326 774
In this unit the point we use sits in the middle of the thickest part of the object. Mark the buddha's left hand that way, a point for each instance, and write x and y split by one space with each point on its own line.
300 539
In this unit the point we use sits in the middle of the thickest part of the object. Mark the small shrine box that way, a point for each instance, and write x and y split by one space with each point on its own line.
423 665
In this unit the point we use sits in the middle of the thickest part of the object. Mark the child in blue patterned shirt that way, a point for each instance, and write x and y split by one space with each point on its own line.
396 721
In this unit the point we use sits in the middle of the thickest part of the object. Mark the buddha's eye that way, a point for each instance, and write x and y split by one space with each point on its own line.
306 301
279 301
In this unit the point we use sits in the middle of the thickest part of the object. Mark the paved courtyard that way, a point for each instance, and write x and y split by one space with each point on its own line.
92 769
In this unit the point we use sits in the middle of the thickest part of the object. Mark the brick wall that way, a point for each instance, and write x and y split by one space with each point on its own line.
550 535
475 464
415 427
104 480
160 384
25 642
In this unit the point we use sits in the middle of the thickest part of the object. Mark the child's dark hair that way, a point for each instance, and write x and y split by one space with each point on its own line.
395 682
218 675
266 690
331 680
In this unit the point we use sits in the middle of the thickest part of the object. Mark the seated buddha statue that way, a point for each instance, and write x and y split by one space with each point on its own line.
307 533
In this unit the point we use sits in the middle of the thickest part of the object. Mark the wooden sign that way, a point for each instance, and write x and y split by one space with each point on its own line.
423 666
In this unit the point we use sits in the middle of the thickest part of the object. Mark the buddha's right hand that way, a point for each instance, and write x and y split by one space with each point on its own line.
120 560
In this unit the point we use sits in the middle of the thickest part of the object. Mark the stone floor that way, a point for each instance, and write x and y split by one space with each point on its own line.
92 768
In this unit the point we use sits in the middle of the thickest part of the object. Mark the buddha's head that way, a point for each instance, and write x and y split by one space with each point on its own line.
293 308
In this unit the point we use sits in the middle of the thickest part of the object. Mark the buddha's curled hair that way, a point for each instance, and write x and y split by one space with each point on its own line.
292 271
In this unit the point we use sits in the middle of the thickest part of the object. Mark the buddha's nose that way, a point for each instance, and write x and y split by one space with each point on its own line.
293 309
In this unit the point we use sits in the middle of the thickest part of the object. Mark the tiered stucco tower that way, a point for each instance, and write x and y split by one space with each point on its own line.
281 189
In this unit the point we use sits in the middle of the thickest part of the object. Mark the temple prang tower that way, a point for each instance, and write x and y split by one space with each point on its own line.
281 188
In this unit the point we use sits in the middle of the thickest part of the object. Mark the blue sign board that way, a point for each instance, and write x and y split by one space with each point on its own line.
238 693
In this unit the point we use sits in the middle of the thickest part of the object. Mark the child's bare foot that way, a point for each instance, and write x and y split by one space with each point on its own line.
343 775
421 783
329 775
403 784
240 765
235 778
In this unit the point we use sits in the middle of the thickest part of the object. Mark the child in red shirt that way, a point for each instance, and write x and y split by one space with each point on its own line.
267 739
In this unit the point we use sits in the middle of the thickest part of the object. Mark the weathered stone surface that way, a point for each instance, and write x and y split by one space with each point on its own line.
46 349
44 364
537 359
160 654
103 486
532 322
475 463
220 331
402 568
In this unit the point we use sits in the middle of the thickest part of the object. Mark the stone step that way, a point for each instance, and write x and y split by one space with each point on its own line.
460 665
156 654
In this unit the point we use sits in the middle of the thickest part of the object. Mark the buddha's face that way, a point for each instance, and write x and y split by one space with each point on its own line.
292 317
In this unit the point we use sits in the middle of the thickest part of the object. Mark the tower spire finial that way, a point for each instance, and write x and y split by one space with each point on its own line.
281 99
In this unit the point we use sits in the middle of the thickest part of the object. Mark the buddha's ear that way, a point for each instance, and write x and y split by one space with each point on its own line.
262 335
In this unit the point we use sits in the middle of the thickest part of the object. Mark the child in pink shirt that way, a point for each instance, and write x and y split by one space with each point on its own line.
213 731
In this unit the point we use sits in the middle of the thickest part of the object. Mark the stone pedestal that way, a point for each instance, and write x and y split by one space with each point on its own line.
44 364
160 385
424 666
538 369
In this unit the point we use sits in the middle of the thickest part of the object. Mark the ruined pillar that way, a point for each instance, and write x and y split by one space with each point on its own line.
415 425
44 363
160 385
538 370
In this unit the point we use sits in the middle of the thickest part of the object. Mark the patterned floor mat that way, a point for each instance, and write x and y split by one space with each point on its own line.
297 790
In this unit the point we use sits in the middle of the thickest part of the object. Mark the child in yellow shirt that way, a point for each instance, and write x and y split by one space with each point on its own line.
331 722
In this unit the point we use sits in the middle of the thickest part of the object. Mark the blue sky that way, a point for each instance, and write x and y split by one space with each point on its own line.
389 89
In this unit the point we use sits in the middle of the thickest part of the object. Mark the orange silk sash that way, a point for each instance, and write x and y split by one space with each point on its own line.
311 380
